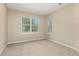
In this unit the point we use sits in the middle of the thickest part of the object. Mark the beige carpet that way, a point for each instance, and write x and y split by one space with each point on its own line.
38 48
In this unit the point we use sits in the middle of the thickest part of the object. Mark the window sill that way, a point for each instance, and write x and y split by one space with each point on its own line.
30 33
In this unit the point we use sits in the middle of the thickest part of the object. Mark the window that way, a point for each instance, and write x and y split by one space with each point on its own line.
25 24
30 24
35 24
49 25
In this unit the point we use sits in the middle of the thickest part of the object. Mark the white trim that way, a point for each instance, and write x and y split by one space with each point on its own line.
2 50
30 24
69 46
24 41
21 24
29 39
30 32
38 24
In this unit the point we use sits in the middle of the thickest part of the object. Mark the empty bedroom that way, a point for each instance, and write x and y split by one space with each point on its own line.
39 29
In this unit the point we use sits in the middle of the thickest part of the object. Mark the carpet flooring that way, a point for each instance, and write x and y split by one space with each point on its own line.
38 48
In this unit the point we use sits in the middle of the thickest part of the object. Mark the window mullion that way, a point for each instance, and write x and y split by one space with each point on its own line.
30 24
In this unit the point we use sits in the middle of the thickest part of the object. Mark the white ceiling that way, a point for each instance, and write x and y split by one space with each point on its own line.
36 8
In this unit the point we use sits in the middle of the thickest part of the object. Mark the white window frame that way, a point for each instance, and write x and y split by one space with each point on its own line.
38 24
49 19
30 32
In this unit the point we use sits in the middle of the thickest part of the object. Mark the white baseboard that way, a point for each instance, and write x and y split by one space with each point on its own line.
27 38
65 45
2 50
24 41
50 40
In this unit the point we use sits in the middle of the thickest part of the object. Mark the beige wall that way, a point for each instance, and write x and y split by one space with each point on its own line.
63 26
76 26
14 27
3 26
